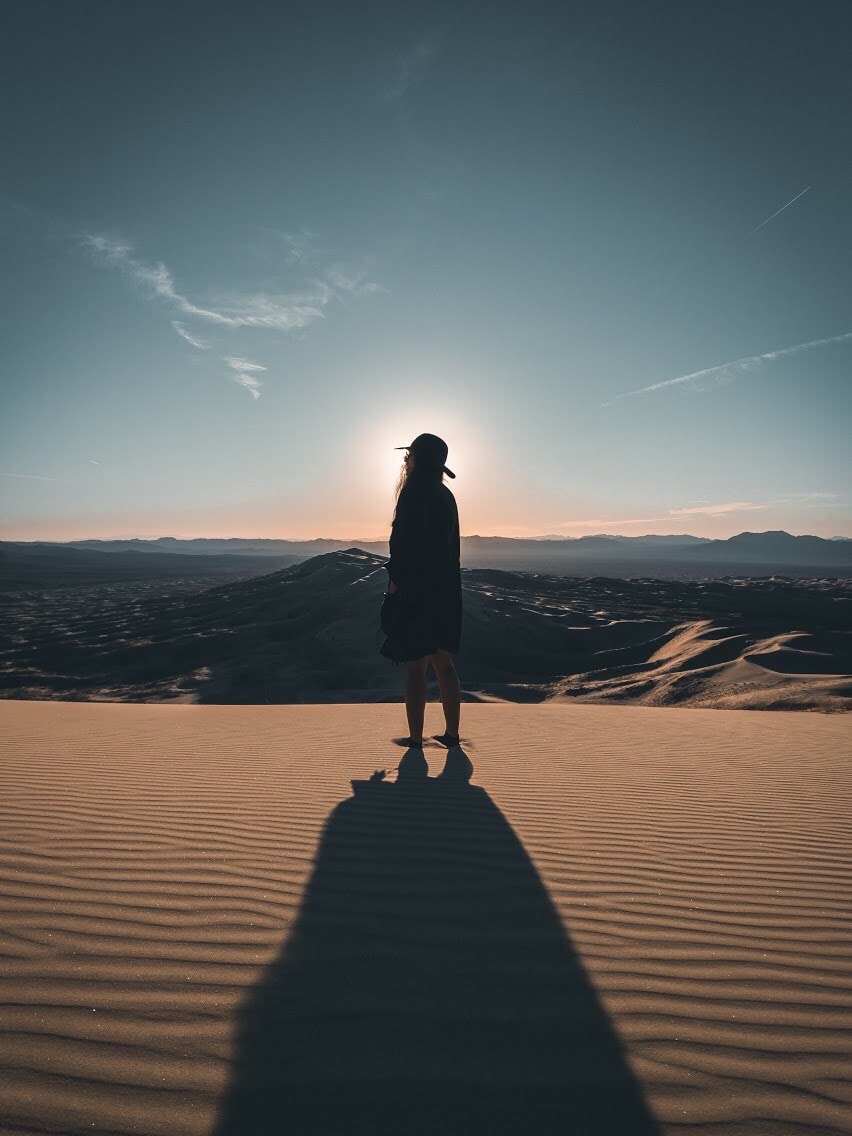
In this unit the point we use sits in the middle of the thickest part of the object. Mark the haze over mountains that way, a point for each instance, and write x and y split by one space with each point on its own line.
664 557
331 544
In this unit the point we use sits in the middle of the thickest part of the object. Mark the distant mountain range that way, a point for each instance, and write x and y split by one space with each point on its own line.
206 546
675 557
773 543
261 546
779 546
30 565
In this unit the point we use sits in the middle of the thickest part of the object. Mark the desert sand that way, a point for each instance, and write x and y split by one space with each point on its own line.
633 920
311 633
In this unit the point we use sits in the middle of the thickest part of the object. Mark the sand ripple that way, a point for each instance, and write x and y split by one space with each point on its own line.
154 861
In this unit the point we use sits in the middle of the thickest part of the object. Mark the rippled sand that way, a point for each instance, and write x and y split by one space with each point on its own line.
634 920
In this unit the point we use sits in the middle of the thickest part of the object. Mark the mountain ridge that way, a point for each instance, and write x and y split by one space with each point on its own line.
774 539
25 566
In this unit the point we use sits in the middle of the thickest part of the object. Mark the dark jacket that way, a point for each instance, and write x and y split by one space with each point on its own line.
424 542
426 613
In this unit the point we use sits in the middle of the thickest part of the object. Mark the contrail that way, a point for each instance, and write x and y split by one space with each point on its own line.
777 211
728 370
28 476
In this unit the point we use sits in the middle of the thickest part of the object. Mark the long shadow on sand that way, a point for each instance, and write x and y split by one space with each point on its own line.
427 986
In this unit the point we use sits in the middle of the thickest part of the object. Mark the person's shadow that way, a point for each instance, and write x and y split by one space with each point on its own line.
427 986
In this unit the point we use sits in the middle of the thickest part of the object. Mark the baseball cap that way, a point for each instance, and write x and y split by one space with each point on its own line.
432 448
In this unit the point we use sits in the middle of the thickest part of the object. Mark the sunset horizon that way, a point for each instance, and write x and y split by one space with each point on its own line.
583 529
603 254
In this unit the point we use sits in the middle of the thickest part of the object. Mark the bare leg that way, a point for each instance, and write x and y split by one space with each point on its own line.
448 683
415 696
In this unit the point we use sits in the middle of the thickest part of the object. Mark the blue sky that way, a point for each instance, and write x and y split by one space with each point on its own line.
248 249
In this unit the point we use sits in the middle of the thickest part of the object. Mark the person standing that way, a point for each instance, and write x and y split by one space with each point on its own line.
422 609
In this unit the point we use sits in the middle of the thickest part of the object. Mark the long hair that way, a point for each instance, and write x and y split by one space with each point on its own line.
413 477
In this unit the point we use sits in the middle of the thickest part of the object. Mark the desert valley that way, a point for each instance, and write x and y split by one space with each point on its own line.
310 633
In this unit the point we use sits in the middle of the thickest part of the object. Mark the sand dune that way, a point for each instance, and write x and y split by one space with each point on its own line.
702 664
634 921
311 634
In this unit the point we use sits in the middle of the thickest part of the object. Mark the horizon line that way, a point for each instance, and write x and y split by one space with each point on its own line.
353 542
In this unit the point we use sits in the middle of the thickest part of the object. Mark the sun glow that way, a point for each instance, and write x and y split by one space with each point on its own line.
382 461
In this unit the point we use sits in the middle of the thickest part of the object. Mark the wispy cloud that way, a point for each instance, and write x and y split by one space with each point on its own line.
192 340
246 374
777 211
93 462
410 68
285 312
697 511
279 312
722 509
243 364
351 282
302 250
733 369
29 476
602 523
820 499
300 246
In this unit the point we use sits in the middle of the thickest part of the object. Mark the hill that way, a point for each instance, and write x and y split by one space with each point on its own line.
777 548
25 566
310 633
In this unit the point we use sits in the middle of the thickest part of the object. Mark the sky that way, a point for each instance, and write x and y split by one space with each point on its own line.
246 249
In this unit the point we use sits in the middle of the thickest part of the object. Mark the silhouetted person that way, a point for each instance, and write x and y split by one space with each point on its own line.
427 987
422 609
